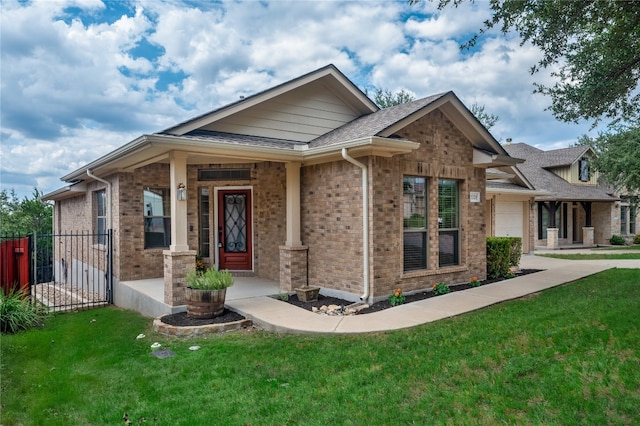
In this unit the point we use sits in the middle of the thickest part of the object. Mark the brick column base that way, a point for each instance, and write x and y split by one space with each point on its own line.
176 265
293 267
587 236
552 238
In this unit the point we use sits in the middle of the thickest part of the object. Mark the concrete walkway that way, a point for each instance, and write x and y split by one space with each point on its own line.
274 315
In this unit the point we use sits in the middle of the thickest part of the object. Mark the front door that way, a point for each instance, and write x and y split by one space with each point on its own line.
234 229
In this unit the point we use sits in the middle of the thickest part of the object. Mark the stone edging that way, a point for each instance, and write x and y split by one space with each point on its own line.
198 330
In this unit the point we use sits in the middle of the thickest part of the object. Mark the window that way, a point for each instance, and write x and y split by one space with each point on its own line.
414 223
204 225
448 221
632 220
101 216
157 217
583 170
623 219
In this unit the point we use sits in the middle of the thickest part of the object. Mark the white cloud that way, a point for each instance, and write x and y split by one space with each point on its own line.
77 85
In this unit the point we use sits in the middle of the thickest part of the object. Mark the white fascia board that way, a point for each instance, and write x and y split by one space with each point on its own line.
114 155
376 143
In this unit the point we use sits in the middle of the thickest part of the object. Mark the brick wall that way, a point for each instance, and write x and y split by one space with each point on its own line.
332 220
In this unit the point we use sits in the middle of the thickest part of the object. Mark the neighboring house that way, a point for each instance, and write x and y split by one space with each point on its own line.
577 209
509 205
305 183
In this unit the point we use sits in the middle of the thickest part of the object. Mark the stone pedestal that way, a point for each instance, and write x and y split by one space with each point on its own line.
552 238
587 236
293 267
176 265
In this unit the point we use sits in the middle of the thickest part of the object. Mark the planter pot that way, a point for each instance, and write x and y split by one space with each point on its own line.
204 304
307 294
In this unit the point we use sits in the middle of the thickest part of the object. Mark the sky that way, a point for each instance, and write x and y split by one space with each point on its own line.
80 78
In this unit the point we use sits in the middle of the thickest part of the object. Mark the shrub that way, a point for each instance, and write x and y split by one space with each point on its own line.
636 239
18 313
498 256
440 288
515 252
397 298
474 282
617 240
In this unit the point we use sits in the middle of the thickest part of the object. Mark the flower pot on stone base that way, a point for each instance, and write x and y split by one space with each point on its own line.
307 294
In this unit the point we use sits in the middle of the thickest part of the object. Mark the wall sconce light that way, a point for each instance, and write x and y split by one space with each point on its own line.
182 192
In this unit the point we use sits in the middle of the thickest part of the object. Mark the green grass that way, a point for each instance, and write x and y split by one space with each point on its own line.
633 247
569 355
593 256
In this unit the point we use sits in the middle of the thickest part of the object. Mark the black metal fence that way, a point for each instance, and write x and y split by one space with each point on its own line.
65 271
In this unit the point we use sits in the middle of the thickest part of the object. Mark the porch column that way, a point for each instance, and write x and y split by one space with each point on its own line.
178 176
293 255
587 236
293 205
178 259
552 238
176 265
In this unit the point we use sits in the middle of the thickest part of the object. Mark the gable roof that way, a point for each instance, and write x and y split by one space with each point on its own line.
307 119
317 92
535 169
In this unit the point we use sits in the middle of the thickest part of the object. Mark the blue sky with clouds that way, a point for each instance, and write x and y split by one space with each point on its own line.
79 78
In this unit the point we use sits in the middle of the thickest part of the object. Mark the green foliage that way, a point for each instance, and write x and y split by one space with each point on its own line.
617 156
440 288
397 298
474 282
385 99
18 313
210 279
515 251
593 45
617 240
636 239
415 221
26 216
487 120
498 256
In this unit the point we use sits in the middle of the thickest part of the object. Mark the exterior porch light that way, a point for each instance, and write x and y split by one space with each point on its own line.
181 194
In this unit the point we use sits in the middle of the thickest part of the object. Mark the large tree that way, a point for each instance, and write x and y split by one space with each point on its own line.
593 47
488 120
384 98
23 217
618 158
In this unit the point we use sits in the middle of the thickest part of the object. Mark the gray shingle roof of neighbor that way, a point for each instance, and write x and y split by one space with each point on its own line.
504 185
373 124
535 170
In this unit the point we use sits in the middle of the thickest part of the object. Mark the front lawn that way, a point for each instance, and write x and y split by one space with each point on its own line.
569 355
593 256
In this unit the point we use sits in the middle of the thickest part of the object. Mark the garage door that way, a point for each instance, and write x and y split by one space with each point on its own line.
509 220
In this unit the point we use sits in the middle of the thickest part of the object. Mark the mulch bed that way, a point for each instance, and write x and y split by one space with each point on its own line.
181 320
384 304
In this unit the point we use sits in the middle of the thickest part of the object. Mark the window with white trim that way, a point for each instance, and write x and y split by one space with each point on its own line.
101 216
414 222
449 222
157 218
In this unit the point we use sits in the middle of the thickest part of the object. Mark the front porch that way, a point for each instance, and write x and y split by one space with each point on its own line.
147 296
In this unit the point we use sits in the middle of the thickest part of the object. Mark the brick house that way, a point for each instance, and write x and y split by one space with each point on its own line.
577 208
308 182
